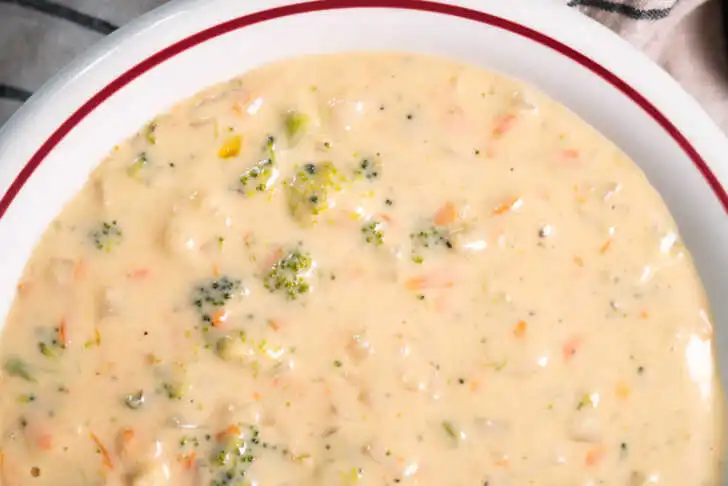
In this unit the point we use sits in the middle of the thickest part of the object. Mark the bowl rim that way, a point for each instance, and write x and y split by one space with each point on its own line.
291 9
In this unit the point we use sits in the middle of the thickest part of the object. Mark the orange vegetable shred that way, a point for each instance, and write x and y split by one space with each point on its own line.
447 214
105 457
520 330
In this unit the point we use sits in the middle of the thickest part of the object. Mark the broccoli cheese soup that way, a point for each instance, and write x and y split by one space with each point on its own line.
361 269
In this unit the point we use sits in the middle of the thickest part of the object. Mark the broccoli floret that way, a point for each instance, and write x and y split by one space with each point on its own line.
289 275
20 368
230 461
140 163
49 343
106 236
212 295
369 168
372 233
308 192
175 390
428 238
150 132
234 348
261 176
258 178
296 125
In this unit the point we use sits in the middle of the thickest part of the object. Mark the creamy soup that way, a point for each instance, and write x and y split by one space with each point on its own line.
369 269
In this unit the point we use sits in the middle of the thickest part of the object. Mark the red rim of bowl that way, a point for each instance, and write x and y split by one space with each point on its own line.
309 7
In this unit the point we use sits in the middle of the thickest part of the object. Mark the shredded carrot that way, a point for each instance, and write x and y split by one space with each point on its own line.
605 247
384 217
273 258
502 462
505 206
127 434
22 288
79 270
188 460
62 336
231 431
520 330
644 315
579 262
570 348
274 325
256 396
503 124
219 318
622 390
248 238
427 282
3 479
447 214
571 154
105 457
595 455
216 270
123 439
138 273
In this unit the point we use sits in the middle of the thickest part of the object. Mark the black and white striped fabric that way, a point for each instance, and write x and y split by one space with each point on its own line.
38 37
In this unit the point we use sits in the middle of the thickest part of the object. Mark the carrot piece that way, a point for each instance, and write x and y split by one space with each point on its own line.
138 273
127 434
571 154
79 270
595 455
447 214
505 206
219 318
105 457
427 282
188 460
62 335
216 270
520 330
124 438
622 390
273 258
644 315
605 247
22 288
502 462
503 124
45 441
231 431
3 477
384 217
274 325
570 348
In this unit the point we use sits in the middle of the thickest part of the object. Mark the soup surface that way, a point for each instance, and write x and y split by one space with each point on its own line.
369 269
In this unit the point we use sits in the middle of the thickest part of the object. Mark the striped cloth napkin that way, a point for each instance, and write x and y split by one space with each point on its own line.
685 37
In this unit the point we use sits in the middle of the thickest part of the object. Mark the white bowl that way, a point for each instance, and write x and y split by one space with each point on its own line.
48 149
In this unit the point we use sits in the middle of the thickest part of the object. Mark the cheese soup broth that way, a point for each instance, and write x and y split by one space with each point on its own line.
370 269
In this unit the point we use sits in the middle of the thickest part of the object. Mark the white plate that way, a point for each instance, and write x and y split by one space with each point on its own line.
48 149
